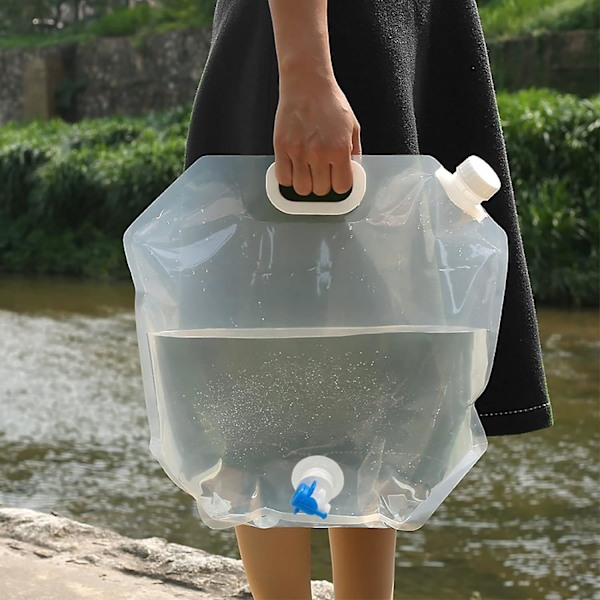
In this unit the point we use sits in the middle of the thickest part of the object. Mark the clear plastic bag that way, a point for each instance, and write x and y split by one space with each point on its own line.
318 370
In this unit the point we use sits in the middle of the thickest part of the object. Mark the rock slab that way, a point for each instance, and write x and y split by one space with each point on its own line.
47 557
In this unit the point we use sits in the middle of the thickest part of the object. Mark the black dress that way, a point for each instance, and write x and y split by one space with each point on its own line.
417 76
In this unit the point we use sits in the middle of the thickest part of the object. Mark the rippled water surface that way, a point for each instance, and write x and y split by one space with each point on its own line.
74 440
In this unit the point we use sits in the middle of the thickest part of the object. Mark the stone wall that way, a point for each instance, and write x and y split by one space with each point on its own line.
567 62
31 67
122 77
107 76
130 76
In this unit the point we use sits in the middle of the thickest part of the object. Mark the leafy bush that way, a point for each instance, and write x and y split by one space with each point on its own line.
132 176
35 160
27 247
553 143
71 190
66 193
566 15
512 18
176 117
99 133
170 14
19 162
127 21
139 19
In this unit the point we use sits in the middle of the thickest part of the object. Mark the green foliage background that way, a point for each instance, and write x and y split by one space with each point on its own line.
71 190
61 21
28 23
553 144
519 18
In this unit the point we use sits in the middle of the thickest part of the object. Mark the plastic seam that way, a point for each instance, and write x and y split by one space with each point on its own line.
514 412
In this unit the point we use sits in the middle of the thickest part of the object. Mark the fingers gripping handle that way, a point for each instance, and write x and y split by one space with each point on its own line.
293 207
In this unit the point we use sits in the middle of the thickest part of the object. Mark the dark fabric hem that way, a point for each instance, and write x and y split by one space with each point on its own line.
531 419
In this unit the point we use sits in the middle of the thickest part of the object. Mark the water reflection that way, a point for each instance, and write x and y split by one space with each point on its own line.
73 439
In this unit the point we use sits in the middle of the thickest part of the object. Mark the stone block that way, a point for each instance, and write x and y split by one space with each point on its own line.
41 75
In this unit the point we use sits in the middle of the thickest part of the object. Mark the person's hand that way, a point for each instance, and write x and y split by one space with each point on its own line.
315 136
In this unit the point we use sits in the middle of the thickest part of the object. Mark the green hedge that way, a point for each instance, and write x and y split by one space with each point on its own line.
70 190
500 19
171 14
139 20
518 18
553 144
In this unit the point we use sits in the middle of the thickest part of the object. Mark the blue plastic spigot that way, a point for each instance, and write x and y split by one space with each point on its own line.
302 500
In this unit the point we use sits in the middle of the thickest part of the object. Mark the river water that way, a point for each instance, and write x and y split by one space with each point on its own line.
74 440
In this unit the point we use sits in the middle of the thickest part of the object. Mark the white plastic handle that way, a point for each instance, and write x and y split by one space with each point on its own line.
293 207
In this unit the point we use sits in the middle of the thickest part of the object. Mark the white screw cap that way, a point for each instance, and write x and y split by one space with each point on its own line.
479 178
473 182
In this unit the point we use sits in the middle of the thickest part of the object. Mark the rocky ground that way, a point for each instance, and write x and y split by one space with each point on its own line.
46 557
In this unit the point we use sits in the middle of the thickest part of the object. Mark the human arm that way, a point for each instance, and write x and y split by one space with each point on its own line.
315 132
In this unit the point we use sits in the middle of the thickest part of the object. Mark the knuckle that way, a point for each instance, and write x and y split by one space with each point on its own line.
286 145
279 138
315 150
294 147
341 154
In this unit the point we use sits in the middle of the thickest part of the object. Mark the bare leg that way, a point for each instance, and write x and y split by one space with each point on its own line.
363 563
276 561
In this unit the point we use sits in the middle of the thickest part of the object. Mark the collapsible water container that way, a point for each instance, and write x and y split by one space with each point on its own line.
316 363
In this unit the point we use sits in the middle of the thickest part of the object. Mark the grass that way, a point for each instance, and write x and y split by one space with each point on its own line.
40 40
139 21
520 18
500 18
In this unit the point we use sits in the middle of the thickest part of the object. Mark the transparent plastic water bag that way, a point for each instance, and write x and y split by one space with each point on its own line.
316 363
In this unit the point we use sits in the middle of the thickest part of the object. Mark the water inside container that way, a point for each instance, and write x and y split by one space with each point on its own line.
240 407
